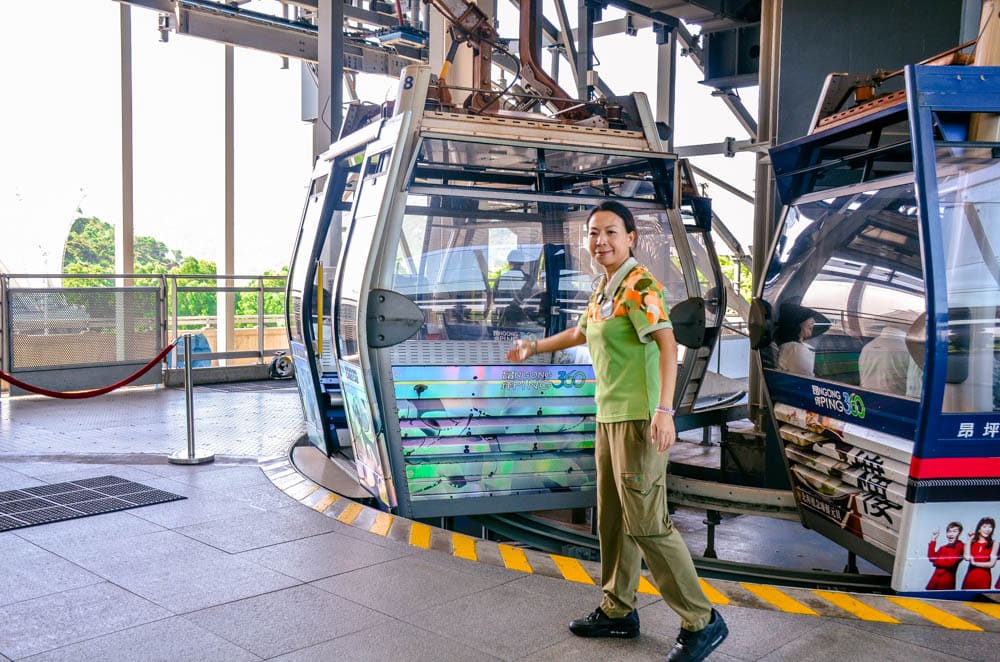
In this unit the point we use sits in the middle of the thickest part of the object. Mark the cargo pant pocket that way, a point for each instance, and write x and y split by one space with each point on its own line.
644 504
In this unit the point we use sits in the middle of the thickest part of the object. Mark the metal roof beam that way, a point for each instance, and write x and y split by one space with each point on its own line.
237 27
272 34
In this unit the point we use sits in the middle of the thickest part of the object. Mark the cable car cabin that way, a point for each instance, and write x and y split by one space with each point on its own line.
461 233
877 329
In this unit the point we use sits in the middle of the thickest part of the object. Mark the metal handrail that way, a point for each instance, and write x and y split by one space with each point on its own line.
169 286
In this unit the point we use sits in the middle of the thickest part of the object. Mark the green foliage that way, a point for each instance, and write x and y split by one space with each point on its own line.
196 303
274 302
728 265
90 249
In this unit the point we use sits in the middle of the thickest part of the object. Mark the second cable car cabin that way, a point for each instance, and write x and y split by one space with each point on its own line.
878 329
455 234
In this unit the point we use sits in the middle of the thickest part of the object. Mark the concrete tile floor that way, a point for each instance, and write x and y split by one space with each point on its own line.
238 571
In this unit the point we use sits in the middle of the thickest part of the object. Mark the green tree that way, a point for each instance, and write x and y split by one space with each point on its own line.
200 304
274 302
728 265
89 248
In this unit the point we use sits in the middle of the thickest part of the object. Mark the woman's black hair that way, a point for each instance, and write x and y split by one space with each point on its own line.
992 522
619 210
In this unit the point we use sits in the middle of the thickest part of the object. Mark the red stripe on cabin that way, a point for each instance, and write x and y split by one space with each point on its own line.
954 467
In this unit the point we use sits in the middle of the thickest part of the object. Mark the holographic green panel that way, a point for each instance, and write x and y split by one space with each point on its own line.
445 427
475 431
478 407
429 382
498 477
498 444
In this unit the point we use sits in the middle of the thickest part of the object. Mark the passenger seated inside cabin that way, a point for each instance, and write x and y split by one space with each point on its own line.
512 280
885 363
512 289
796 324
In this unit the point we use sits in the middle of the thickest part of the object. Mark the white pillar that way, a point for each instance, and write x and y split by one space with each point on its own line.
227 261
125 231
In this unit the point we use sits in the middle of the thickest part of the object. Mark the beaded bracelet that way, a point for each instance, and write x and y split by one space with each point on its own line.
665 410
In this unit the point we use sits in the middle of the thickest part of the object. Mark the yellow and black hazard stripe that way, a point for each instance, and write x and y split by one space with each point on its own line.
948 614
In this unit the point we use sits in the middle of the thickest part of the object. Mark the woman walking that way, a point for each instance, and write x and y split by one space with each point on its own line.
632 347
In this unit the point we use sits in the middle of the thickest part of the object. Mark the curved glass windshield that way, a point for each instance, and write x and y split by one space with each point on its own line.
969 190
495 271
846 289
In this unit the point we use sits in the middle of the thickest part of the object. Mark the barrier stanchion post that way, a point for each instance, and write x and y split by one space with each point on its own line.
189 457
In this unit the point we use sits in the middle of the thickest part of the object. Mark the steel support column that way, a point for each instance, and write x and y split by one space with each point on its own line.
666 78
763 224
331 75
587 13
566 39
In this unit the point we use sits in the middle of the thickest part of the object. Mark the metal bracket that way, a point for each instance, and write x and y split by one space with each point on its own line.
392 318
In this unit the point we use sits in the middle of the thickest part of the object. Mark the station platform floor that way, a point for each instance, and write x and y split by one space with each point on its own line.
258 562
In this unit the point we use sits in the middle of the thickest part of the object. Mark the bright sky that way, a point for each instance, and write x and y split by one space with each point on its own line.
60 134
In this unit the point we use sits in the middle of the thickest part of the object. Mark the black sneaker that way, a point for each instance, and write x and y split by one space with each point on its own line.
696 646
598 624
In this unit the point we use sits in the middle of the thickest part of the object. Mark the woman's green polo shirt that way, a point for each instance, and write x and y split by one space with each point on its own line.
618 330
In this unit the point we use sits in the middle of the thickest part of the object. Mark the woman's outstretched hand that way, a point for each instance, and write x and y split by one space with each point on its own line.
520 351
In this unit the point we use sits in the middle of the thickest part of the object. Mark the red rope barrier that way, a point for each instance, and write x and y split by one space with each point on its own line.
76 395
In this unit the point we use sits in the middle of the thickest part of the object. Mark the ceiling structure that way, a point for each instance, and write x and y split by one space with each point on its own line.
371 40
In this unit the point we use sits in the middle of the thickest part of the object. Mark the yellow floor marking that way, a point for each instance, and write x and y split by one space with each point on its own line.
780 600
987 608
646 587
350 513
323 504
301 491
571 569
716 596
464 546
514 558
383 522
933 614
420 535
856 607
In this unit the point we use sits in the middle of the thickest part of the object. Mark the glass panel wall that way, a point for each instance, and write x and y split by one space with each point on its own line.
488 270
522 168
846 289
969 190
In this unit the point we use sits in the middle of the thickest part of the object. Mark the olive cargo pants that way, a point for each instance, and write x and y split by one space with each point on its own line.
632 518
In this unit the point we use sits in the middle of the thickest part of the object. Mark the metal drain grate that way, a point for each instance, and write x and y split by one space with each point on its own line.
150 497
122 488
100 481
60 501
46 490
69 498
98 506
250 387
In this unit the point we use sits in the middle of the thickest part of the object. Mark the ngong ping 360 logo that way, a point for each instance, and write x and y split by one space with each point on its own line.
844 402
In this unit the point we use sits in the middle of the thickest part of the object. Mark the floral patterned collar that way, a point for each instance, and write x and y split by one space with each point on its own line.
608 288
